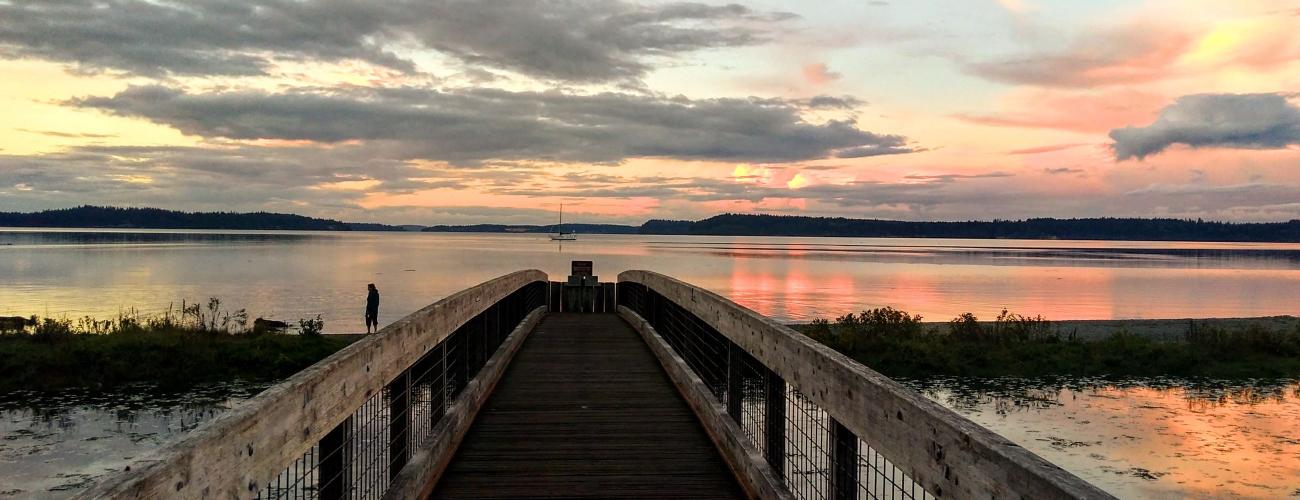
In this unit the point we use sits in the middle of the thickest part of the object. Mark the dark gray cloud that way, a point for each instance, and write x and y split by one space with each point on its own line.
568 40
1247 121
583 40
195 37
205 178
474 125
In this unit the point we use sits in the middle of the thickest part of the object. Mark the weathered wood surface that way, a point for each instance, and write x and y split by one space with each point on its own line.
430 459
234 455
586 411
744 458
947 454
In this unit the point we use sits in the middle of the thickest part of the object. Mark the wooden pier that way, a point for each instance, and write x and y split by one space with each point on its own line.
648 387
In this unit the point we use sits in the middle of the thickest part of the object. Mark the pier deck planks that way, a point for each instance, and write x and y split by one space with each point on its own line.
585 410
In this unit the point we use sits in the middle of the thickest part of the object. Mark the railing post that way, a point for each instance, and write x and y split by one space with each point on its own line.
735 383
774 422
844 462
334 461
399 423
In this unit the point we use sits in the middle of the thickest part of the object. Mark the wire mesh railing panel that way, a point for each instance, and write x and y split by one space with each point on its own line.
360 457
814 456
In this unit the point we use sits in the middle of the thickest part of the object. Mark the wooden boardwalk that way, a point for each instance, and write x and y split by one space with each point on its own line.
585 410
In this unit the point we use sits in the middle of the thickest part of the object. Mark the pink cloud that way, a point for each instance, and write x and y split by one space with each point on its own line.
1075 112
1045 149
819 74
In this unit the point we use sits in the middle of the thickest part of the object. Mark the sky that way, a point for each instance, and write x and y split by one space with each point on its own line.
461 111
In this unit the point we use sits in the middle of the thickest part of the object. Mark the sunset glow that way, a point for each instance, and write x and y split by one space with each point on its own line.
623 111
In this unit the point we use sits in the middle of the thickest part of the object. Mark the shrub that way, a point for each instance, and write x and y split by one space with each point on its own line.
311 327
965 327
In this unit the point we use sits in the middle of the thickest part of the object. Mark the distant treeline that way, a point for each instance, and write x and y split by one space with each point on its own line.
1065 229
156 218
720 225
518 228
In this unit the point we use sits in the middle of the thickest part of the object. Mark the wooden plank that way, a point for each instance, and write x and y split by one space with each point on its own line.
585 410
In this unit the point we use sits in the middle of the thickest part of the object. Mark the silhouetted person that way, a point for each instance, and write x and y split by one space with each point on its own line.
372 308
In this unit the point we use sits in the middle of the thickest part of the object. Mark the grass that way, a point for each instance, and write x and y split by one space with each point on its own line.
174 351
898 344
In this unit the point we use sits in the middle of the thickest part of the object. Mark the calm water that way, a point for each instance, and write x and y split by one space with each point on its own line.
1152 438
295 275
53 445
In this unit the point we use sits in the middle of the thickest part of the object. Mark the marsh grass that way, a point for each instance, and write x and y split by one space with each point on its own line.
898 344
182 347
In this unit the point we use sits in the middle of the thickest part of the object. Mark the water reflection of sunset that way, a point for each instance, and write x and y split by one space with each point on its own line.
791 279
1147 441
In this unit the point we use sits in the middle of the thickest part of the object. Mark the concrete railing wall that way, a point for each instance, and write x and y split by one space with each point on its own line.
948 455
235 454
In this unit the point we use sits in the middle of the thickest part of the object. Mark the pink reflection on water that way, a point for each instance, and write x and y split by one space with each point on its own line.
1152 442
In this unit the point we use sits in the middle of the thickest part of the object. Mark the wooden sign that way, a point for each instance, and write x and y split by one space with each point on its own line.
581 268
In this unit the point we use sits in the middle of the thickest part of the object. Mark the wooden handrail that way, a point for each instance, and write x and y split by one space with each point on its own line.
235 454
946 454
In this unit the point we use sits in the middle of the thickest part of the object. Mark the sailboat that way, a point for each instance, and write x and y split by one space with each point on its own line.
560 235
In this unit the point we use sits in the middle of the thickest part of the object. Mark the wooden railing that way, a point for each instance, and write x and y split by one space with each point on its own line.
346 426
799 420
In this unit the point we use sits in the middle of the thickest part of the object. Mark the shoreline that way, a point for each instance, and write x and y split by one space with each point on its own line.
1166 329
1170 329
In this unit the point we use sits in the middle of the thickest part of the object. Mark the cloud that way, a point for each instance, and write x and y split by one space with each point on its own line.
833 102
819 74
1249 189
1243 121
1088 112
65 135
474 125
584 41
953 177
200 37
596 41
1045 149
1130 53
1062 171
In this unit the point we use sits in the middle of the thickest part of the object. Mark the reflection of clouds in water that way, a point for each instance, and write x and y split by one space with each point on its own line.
792 279
1144 437
59 443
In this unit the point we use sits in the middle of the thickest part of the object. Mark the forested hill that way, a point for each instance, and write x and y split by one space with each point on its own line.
524 228
154 218
1072 229
720 225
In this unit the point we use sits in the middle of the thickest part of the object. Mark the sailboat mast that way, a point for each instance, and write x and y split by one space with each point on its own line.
560 228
